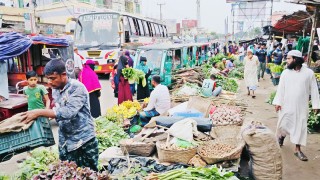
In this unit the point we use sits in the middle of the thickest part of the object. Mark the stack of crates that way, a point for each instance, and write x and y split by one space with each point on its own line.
39 134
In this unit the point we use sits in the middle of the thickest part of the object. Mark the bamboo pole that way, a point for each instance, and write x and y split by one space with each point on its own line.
313 32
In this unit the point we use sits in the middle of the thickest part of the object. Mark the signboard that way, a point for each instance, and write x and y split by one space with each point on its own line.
27 22
252 10
189 23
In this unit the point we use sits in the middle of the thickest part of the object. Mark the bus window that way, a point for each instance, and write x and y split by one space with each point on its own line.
126 24
165 31
161 31
146 28
153 30
141 27
157 29
132 26
136 24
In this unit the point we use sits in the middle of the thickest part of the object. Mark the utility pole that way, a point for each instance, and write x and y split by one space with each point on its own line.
198 14
313 32
160 5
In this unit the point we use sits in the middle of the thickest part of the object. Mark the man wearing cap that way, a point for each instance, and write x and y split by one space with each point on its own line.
78 59
222 65
297 83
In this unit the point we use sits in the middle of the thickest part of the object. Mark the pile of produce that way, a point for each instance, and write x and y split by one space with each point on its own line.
194 173
181 145
313 120
227 84
226 115
38 161
134 75
125 110
187 89
69 170
108 133
275 69
217 58
271 97
191 75
215 150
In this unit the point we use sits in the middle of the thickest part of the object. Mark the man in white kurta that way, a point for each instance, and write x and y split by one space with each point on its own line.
297 83
251 63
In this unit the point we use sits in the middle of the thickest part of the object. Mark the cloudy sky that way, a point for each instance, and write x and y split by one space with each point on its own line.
213 12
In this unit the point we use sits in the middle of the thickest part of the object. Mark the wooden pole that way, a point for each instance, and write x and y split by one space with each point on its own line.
313 32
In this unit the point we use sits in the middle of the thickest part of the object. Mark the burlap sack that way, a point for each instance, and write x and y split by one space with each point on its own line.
199 103
14 124
266 161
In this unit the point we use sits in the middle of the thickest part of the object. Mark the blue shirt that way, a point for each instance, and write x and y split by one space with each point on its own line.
262 54
73 115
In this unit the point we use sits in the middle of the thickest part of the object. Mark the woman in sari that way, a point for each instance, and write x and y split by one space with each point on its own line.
143 92
130 64
90 80
124 93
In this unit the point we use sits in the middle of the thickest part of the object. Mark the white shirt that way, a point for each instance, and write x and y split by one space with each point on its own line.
241 51
77 61
159 99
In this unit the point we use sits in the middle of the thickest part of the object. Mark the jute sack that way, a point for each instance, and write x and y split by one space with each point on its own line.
264 150
14 124
199 103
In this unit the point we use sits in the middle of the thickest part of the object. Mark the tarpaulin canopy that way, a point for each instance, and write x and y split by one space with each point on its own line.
294 23
49 41
13 44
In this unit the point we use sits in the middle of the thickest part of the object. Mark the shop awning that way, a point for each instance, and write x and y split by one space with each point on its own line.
49 41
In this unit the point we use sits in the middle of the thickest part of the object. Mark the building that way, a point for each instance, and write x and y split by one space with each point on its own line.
59 12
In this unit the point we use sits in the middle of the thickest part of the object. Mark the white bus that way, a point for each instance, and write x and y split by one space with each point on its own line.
101 36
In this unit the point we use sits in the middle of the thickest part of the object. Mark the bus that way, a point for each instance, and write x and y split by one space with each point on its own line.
101 36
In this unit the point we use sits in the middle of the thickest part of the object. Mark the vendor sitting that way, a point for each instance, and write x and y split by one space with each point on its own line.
209 87
159 101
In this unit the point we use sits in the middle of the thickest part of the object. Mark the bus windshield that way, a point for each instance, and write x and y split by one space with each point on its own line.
98 30
154 58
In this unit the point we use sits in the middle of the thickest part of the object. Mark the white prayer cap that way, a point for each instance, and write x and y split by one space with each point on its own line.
249 50
295 53
224 59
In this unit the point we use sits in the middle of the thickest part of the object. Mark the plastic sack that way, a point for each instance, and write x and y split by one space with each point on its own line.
184 129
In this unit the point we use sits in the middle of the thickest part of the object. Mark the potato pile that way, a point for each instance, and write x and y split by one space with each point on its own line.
226 115
215 150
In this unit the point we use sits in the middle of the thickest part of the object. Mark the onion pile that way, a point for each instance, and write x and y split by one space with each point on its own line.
215 150
226 115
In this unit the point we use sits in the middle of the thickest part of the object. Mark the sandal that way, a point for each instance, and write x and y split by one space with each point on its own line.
253 96
280 140
301 156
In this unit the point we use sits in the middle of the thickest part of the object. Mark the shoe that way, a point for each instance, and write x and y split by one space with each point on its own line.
301 156
280 140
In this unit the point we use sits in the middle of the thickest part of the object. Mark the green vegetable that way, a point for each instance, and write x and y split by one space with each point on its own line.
39 161
227 84
197 174
108 133
135 75
313 120
272 95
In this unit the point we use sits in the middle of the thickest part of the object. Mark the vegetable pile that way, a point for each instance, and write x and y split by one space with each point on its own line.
175 146
215 150
227 84
125 110
69 170
226 115
39 161
194 173
134 75
108 133
313 120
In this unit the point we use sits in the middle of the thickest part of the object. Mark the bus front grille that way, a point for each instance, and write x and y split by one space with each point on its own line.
94 53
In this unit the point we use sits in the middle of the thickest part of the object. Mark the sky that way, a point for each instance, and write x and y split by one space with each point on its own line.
213 12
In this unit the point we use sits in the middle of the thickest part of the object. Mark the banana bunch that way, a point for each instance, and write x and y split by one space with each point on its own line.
317 76
125 110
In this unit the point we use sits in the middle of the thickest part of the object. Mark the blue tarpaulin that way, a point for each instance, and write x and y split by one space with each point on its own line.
13 44
49 41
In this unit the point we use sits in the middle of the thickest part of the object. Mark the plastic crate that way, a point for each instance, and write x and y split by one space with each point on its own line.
39 134
188 114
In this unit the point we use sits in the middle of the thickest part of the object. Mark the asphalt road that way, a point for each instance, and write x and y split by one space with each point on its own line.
107 100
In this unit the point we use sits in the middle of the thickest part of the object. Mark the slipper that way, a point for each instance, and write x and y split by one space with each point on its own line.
253 96
280 140
301 156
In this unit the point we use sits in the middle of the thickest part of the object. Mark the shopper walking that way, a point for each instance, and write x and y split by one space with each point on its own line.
251 64
262 56
124 93
297 83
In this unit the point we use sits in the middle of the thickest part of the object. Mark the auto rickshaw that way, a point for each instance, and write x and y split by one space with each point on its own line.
40 51
162 59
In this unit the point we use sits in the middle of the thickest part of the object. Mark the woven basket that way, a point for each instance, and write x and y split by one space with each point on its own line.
175 156
225 132
140 149
234 154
